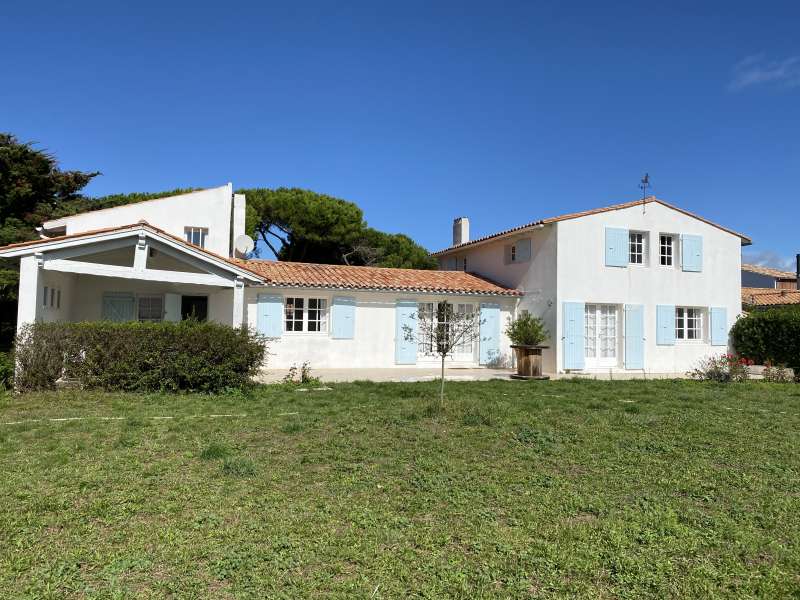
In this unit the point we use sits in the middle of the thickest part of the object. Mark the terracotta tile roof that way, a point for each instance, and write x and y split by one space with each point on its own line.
373 278
769 297
745 240
769 272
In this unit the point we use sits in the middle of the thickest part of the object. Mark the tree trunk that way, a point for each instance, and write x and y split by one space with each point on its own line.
441 389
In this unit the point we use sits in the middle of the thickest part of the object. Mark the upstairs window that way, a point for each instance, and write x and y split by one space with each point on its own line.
196 235
637 248
666 253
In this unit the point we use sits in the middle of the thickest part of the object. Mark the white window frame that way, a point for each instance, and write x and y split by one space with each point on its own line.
673 247
323 320
463 352
138 308
642 252
682 316
596 319
191 232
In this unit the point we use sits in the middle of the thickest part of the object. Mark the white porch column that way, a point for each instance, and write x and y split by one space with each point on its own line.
29 297
238 302
140 253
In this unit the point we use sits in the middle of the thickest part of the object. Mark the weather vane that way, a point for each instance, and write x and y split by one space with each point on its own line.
644 185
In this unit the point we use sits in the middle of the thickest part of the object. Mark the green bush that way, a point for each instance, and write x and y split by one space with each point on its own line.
6 371
190 356
527 330
770 336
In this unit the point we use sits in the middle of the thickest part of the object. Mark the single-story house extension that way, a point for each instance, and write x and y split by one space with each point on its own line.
637 287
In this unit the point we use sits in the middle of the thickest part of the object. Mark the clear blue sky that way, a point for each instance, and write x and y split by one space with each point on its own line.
423 111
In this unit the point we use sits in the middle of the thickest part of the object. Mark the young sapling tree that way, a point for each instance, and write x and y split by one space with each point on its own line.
441 330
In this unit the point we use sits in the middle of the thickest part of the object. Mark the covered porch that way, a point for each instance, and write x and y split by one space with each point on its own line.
127 274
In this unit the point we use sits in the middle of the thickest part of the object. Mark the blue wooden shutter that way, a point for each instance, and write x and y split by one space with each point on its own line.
343 314
489 333
719 327
523 251
270 315
451 264
405 347
172 307
574 335
665 325
617 247
118 307
692 253
634 336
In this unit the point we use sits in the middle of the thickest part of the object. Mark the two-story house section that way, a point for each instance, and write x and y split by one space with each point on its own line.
637 287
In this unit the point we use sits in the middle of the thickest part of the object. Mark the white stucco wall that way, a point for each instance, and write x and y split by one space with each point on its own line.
210 208
535 277
583 277
86 298
373 344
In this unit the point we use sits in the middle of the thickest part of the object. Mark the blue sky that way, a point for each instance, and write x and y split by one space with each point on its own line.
423 111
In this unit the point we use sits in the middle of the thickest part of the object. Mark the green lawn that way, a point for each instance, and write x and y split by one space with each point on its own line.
517 489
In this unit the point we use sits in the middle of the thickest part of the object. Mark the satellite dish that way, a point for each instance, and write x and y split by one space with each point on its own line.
243 245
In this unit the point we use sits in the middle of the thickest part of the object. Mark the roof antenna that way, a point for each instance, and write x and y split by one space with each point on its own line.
644 185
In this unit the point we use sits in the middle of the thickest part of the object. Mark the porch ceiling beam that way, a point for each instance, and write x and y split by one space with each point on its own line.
94 248
84 268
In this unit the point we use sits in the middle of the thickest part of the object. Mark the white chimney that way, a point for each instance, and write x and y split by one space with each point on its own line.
460 231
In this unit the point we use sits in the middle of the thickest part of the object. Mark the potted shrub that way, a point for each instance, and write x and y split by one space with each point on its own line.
527 333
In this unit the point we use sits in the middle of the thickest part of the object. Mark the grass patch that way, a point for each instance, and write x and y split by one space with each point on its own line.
557 489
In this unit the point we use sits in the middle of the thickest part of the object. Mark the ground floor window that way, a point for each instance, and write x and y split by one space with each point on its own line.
601 327
688 323
151 308
306 314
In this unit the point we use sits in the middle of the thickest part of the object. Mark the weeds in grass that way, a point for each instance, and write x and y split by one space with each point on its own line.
214 451
292 426
239 467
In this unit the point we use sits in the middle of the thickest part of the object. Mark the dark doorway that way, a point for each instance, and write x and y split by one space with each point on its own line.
194 307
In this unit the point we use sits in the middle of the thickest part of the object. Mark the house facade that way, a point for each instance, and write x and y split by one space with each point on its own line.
642 287
638 287
172 258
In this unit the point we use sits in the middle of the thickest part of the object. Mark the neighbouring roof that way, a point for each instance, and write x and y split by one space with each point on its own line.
373 278
769 297
769 272
745 240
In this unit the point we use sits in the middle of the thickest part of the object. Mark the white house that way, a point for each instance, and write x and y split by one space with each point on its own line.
632 288
172 257
637 287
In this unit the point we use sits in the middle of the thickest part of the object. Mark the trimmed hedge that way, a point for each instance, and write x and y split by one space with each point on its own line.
185 356
769 336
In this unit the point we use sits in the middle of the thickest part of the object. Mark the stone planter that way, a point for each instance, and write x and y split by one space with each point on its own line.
529 362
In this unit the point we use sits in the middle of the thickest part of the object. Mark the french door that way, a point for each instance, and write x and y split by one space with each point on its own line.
602 335
435 316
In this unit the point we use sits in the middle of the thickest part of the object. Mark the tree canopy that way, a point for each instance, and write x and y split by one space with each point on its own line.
301 225
33 189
